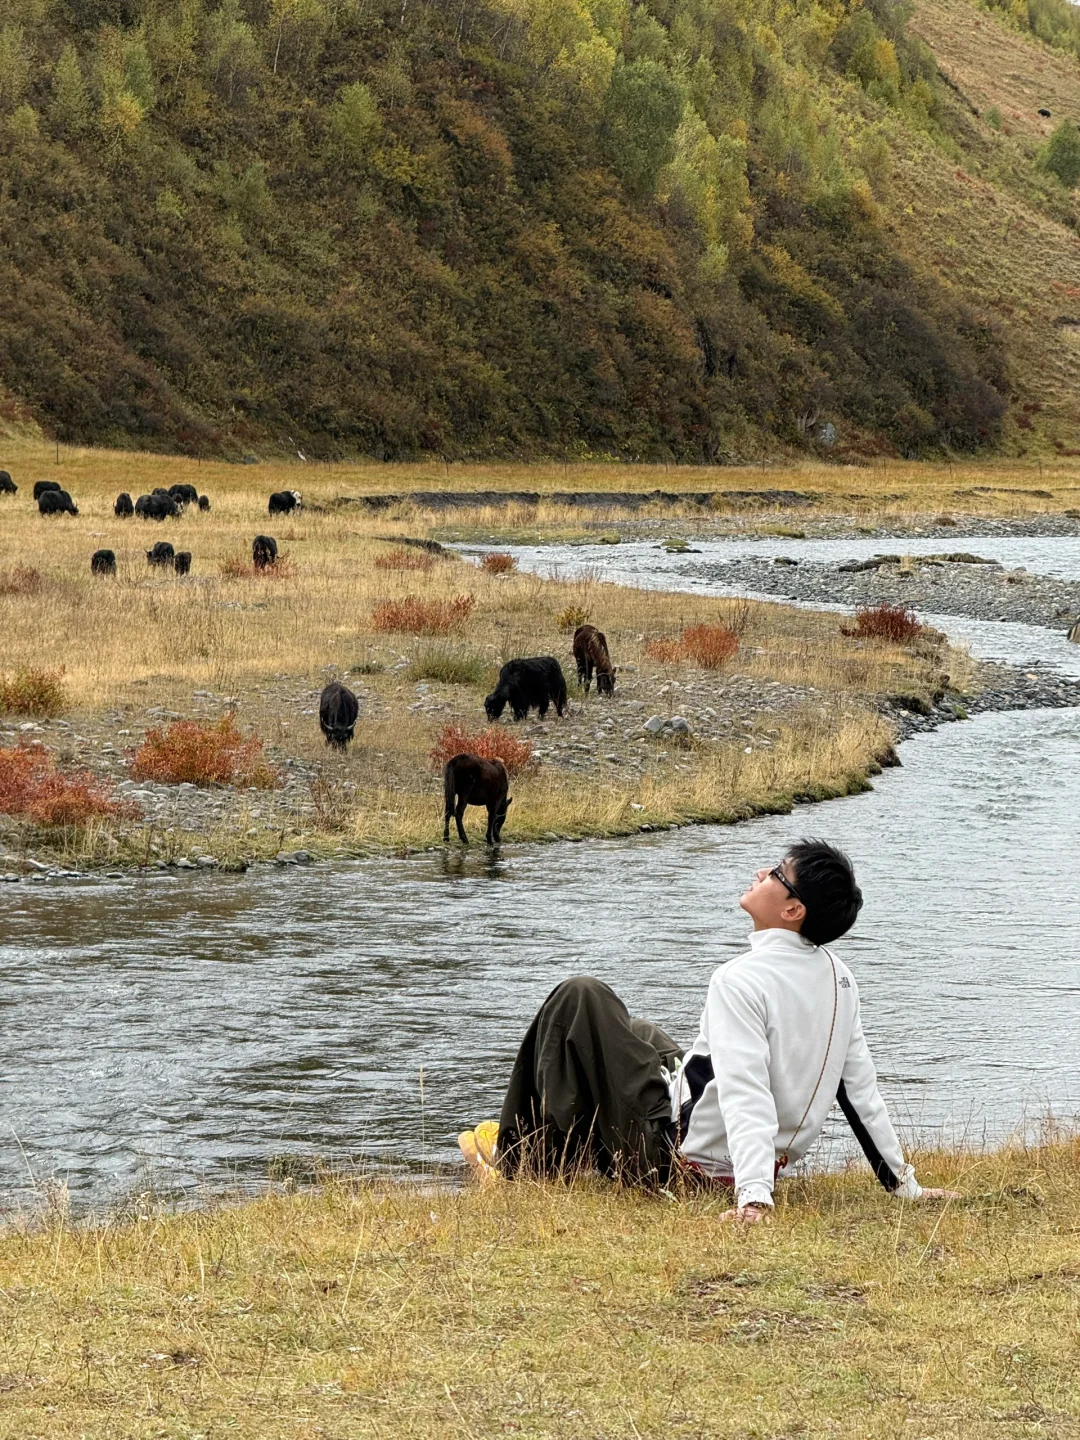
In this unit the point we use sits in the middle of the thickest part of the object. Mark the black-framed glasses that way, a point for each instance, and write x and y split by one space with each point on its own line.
776 873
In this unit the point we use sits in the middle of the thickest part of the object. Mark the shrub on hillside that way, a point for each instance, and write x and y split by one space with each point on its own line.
188 750
33 692
404 559
884 622
569 619
32 787
494 743
423 617
450 665
1060 155
709 646
21 580
497 564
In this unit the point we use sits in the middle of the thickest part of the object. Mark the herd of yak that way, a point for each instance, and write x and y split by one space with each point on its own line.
535 682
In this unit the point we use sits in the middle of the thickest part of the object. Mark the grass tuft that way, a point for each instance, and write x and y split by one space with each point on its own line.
450 665
569 619
33 692
405 559
188 751
498 564
21 580
494 743
710 646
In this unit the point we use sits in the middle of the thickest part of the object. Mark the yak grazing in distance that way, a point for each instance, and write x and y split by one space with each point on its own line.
469 780
40 487
123 509
158 506
537 681
103 562
162 554
182 562
338 709
204 502
184 494
263 551
7 484
591 653
56 502
284 501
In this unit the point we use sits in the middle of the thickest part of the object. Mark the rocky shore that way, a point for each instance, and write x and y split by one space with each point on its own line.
950 583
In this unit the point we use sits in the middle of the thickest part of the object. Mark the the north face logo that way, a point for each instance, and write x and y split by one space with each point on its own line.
845 983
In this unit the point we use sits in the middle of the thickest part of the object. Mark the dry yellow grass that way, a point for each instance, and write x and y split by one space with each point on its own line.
377 1310
150 638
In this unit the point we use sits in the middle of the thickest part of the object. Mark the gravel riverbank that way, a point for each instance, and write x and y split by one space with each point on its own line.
934 584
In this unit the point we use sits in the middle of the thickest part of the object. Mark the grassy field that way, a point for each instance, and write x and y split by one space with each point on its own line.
211 642
362 1310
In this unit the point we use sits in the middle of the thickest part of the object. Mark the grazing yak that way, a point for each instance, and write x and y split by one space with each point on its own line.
284 501
40 486
56 502
184 494
338 709
204 502
162 554
591 653
468 780
538 682
123 508
7 484
263 551
158 506
182 562
103 562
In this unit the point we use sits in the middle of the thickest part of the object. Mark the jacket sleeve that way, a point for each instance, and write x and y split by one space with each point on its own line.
739 1042
860 1100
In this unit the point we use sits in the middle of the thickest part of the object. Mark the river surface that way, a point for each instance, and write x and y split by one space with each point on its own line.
181 1031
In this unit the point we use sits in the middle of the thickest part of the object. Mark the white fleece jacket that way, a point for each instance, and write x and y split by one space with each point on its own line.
763 1038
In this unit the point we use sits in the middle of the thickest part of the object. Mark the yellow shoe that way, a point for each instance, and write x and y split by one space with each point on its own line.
478 1148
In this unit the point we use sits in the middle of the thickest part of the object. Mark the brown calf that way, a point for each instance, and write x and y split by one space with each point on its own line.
472 781
591 653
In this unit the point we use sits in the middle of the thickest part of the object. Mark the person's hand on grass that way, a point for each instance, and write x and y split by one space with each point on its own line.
747 1214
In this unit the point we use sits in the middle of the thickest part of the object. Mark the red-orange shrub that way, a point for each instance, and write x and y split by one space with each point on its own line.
21 580
33 692
884 622
404 559
203 755
709 646
494 743
423 617
31 786
498 564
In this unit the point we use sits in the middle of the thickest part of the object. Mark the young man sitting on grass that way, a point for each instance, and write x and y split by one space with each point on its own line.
780 1039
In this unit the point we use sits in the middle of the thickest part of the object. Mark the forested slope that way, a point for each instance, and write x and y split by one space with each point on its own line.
680 228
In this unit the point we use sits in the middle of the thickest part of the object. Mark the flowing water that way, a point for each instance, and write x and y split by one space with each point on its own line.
180 1030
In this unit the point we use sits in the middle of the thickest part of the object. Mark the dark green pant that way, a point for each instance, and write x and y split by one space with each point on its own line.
586 1089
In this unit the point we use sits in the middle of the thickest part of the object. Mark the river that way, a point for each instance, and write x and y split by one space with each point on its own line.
176 1032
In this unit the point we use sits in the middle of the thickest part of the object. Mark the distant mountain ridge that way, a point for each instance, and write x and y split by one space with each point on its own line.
696 229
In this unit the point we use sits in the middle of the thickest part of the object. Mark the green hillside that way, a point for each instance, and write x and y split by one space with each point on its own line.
685 228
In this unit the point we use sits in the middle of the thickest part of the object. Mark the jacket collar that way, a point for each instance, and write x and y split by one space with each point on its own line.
781 940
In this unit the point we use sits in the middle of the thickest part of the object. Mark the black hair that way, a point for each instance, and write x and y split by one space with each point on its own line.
825 880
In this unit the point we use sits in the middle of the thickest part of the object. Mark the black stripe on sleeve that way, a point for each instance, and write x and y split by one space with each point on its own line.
887 1177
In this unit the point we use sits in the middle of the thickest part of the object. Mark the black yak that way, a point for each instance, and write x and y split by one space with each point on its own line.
123 507
158 506
184 494
162 554
338 709
56 502
103 562
284 501
182 562
40 487
204 502
263 551
469 780
523 684
591 653
7 484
